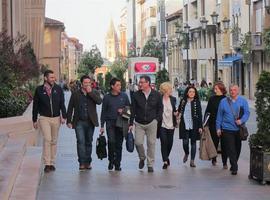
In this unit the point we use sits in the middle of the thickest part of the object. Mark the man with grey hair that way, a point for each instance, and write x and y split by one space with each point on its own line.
233 111
147 110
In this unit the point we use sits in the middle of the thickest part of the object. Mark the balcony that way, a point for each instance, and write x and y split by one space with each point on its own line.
257 43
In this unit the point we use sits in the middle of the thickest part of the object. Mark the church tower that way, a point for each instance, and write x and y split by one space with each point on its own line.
112 44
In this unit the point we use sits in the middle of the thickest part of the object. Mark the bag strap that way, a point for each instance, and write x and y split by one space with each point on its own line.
231 108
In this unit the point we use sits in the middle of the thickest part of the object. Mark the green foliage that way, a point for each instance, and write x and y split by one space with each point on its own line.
108 77
153 48
262 138
162 76
90 61
100 81
266 40
118 70
245 46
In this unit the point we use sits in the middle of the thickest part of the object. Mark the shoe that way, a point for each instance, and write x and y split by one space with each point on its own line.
141 164
52 168
47 168
150 169
165 166
234 172
117 168
185 158
214 163
192 164
225 166
89 167
230 168
110 166
168 161
82 168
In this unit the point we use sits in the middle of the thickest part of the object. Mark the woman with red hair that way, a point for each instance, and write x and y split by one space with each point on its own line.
212 108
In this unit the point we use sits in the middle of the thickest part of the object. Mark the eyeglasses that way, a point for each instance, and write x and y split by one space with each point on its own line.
141 82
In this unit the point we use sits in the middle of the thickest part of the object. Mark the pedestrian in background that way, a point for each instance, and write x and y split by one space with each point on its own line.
112 109
228 127
82 116
168 123
191 122
49 103
146 109
212 109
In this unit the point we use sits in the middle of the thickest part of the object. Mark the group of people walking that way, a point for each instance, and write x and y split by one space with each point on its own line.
153 115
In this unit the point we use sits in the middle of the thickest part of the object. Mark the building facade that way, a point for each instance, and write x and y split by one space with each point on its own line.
123 33
111 44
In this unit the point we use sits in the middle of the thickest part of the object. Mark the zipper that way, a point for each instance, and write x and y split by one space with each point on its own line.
51 105
145 108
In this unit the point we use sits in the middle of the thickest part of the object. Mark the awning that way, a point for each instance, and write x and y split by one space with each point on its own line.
228 62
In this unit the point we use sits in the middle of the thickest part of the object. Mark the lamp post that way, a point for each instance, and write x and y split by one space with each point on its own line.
138 51
163 41
267 5
186 30
215 30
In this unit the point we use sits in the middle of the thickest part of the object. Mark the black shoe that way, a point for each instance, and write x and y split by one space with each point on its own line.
47 168
88 166
52 168
110 166
234 173
165 166
150 169
168 161
141 164
117 168
185 158
82 167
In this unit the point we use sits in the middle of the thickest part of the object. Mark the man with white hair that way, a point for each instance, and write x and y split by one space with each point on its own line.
233 111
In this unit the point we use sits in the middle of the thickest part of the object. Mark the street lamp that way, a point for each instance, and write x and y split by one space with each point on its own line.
186 30
138 51
267 5
226 24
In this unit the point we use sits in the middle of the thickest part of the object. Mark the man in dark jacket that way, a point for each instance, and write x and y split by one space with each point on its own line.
49 103
112 109
147 110
82 116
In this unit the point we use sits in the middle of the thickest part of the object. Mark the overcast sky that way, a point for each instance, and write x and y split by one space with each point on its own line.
87 20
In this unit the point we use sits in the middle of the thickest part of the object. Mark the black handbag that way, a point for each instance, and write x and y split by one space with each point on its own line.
130 142
101 147
243 131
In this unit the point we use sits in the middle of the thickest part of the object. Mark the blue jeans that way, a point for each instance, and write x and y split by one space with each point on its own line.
84 134
193 144
115 141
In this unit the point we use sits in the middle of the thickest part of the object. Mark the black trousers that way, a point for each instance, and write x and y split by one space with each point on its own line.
115 142
166 140
216 140
233 146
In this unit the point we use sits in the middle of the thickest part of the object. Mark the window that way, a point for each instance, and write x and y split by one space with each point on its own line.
153 12
202 7
259 20
186 12
153 31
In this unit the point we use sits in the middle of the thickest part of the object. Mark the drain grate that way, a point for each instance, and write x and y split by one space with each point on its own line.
164 186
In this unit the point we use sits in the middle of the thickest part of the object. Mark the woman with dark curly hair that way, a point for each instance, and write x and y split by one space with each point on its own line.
212 109
191 122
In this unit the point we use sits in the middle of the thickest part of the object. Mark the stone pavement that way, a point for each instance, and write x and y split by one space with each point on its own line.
179 181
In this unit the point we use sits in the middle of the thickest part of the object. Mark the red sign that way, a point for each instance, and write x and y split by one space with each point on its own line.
145 67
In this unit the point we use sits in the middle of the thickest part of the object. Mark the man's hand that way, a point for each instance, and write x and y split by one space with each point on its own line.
200 130
88 89
35 125
218 132
63 120
176 113
69 125
120 111
238 122
101 131
130 128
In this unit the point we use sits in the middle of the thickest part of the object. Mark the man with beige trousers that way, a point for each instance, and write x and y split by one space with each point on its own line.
49 103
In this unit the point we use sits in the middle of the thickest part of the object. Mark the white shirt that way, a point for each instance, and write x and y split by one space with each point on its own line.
188 117
167 118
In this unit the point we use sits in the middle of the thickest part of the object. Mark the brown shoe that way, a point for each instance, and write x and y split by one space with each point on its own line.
192 164
47 168
185 158
225 166
89 167
82 167
52 167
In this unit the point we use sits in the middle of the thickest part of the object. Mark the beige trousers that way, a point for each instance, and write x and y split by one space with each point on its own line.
50 128
150 131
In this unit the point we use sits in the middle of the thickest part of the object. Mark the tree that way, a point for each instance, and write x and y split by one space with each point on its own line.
118 70
162 76
108 77
266 40
153 48
90 61
100 81
262 138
